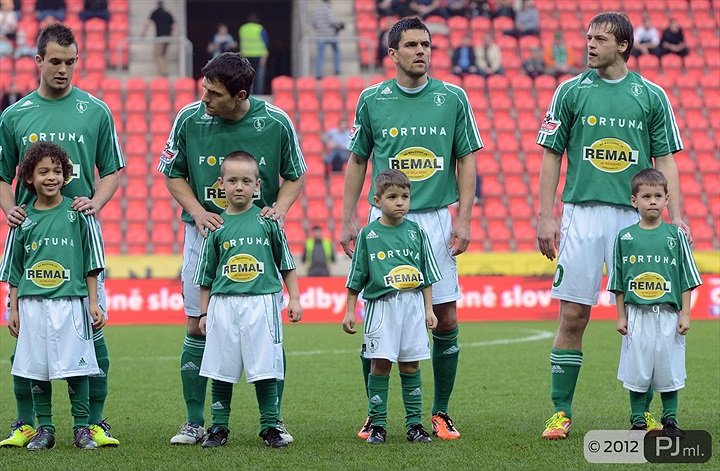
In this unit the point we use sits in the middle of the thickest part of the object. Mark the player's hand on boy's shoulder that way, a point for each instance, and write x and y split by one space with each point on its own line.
83 204
275 214
685 228
683 324
207 220
294 310
16 216
348 234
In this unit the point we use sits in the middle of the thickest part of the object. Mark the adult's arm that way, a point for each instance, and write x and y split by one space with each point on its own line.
548 232
354 179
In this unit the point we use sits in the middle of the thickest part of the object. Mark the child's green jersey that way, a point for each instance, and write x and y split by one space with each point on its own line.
52 252
392 258
243 256
653 266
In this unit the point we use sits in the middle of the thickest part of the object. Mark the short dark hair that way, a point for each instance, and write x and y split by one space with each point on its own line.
34 154
650 177
240 156
55 33
388 178
232 70
403 25
619 25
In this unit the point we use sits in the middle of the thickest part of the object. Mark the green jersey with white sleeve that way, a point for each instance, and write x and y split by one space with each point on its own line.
653 266
242 255
421 134
79 122
198 143
611 131
52 252
392 258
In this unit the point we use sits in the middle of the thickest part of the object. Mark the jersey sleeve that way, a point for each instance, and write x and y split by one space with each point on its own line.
208 262
664 132
93 249
11 266
467 136
361 135
9 153
359 270
431 271
689 273
281 250
292 164
615 278
173 159
109 157
555 129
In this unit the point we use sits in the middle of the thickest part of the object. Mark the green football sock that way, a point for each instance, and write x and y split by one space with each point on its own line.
670 405
637 407
79 393
365 369
42 397
565 368
281 382
649 398
445 355
99 383
266 394
194 385
378 397
23 398
412 397
221 393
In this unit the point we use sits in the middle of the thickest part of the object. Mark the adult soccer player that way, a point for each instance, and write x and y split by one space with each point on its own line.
426 129
226 119
83 125
612 123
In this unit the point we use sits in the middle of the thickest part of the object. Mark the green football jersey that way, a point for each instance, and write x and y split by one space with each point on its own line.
392 258
653 266
610 131
199 142
244 255
79 122
52 252
420 134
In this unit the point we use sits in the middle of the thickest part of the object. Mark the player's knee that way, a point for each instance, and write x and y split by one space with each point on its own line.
410 368
446 314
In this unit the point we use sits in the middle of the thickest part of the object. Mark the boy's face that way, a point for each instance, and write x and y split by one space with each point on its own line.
394 202
47 178
240 182
650 201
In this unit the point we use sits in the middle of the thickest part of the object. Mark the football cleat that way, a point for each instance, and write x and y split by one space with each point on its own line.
671 429
639 426
83 440
216 436
189 434
652 422
43 440
100 434
271 437
443 427
366 429
557 427
377 435
283 432
20 434
418 434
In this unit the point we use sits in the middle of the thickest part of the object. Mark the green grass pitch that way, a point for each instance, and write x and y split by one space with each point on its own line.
500 404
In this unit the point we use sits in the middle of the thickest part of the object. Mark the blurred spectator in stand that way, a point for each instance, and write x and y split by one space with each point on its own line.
535 64
480 8
425 8
383 45
8 20
10 96
504 8
457 7
393 8
336 142
489 57
646 39
559 58
254 46
95 9
164 27
673 40
318 253
6 48
222 41
22 48
50 11
463 58
527 21
326 28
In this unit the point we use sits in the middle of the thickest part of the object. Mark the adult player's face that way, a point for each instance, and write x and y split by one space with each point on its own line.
650 201
47 178
412 57
603 48
394 203
217 99
57 69
239 181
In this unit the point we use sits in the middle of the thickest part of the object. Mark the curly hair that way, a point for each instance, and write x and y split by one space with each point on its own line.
34 154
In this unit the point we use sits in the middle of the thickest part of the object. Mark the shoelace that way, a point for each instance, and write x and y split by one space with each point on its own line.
554 421
104 425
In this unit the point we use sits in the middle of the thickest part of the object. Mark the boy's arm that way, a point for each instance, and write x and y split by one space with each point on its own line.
294 309
14 319
622 316
430 318
91 279
684 322
204 303
349 320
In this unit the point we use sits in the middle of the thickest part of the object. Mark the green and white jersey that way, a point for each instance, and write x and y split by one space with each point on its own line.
420 134
392 258
653 266
610 132
52 252
242 255
199 142
79 122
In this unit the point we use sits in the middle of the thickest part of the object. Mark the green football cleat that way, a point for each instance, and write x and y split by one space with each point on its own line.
100 434
20 435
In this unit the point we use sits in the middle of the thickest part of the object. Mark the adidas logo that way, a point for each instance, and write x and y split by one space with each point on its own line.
451 351
217 406
416 392
626 236
82 362
587 81
189 366
26 103
386 91
376 400
371 235
36 390
557 369
99 375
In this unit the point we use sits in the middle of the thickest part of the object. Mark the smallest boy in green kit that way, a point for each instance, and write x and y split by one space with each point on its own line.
652 277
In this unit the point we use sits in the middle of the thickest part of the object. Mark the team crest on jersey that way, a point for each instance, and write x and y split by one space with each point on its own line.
418 163
549 125
243 268
215 194
258 124
439 99
610 155
671 242
81 106
404 277
72 215
412 235
649 286
47 274
636 89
